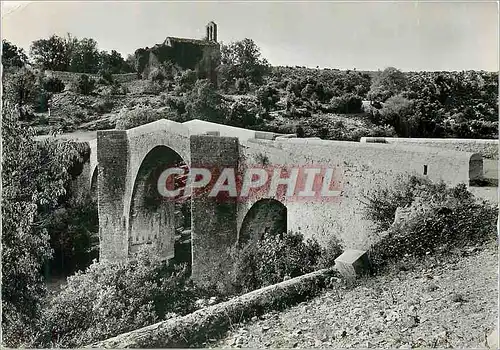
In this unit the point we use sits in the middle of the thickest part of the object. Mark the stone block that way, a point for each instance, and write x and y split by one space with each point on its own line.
492 340
353 263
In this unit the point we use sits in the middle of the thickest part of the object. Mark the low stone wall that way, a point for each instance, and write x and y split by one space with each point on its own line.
486 148
195 328
71 77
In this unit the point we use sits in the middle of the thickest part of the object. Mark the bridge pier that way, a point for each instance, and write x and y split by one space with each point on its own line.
112 173
213 222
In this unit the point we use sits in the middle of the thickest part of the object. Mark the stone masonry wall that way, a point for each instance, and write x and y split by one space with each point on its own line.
72 77
363 167
486 148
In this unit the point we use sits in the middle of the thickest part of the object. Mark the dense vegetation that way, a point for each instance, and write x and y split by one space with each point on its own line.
248 92
441 219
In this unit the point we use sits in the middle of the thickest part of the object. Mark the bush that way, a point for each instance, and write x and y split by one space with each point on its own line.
331 251
186 80
141 115
86 84
273 259
347 103
110 298
242 86
20 87
153 88
104 106
242 114
105 77
54 85
118 89
441 219
268 96
157 75
204 103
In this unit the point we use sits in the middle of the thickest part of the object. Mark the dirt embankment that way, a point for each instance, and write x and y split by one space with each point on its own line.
452 304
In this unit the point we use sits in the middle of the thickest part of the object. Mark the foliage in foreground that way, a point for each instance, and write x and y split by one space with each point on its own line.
441 219
278 257
34 179
110 298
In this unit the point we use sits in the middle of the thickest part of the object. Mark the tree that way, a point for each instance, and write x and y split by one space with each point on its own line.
204 103
86 84
85 57
53 53
245 58
398 112
20 88
113 62
389 82
12 56
34 175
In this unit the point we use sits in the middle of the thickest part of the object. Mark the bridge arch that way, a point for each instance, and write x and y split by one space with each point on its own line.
266 216
151 217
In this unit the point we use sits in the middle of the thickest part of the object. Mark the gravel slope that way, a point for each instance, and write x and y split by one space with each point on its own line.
452 304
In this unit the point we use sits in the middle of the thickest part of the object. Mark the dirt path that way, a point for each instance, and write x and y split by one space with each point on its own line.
449 305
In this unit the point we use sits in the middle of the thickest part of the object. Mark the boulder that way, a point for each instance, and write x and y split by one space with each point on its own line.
353 263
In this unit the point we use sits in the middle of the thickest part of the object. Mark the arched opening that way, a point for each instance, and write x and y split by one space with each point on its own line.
161 222
265 217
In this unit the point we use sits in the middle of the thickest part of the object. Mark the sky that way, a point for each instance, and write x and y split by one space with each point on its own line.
409 35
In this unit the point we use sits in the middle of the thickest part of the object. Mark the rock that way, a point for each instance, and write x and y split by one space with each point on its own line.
318 343
353 263
492 339
457 298
432 287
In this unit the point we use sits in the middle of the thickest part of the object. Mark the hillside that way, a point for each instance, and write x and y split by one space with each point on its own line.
329 104
444 304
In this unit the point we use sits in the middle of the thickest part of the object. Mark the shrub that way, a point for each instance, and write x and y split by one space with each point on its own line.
187 80
118 89
204 103
110 298
347 103
242 86
157 75
267 96
105 77
20 87
450 218
242 114
141 115
85 85
104 106
54 85
331 251
153 88
273 259
397 112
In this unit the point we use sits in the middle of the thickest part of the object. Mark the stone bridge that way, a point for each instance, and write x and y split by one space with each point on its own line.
125 165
